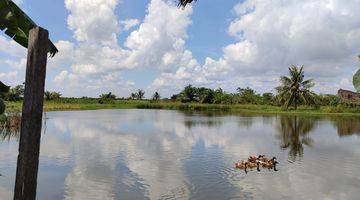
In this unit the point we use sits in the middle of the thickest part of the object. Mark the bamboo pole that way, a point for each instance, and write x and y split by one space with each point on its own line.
31 121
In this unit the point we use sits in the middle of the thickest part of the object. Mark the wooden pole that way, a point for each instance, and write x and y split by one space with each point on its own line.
29 147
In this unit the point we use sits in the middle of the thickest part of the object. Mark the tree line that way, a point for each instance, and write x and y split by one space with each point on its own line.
294 90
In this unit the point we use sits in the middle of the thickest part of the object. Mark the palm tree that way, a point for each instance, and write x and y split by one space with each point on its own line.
156 96
140 94
294 89
47 95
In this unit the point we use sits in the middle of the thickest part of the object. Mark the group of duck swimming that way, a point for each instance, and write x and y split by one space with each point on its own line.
257 161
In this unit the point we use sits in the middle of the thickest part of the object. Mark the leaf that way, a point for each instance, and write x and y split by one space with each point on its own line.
183 3
356 80
4 88
17 24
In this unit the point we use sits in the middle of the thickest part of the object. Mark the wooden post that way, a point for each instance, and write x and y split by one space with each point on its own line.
29 147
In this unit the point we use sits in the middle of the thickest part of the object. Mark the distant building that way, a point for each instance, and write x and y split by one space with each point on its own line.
349 96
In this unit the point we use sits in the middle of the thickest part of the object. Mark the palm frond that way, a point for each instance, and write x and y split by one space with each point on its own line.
4 88
183 3
17 24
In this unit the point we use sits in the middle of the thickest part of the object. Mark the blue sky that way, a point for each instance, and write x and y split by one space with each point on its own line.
121 46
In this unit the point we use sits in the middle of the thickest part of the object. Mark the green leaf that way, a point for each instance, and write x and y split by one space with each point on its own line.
356 80
4 88
17 24
185 2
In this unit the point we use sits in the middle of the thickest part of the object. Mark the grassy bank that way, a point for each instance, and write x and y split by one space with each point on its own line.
125 104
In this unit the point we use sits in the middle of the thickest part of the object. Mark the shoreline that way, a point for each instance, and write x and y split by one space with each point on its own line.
232 108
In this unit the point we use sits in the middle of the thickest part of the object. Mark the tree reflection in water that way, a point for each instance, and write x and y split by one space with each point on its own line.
293 132
346 126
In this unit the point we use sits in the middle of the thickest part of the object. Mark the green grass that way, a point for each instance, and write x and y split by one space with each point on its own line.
78 104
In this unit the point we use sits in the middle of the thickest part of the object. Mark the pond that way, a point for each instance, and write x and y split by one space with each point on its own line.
160 154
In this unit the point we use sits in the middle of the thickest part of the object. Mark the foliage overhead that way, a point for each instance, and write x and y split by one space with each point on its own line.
183 3
17 24
356 79
3 90
294 89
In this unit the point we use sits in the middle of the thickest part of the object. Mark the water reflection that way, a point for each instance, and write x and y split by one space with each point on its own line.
294 133
347 126
156 154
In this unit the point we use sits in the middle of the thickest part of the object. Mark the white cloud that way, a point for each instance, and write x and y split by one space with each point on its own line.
93 20
129 23
157 43
11 48
61 76
323 35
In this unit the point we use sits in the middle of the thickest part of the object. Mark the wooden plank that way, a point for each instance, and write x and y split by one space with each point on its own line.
31 121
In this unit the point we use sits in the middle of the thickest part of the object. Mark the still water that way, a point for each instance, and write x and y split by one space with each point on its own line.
158 154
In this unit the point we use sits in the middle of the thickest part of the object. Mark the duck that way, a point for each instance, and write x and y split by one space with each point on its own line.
253 165
254 159
265 159
241 165
271 164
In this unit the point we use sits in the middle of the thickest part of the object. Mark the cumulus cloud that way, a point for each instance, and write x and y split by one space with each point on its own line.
93 21
269 37
322 35
157 43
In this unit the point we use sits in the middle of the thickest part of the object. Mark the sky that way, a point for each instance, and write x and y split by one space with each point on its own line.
120 46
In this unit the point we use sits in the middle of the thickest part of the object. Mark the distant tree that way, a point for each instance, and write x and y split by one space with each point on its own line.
133 96
327 99
55 95
156 96
47 95
140 94
188 94
204 95
52 95
107 98
248 95
294 89
15 94
268 98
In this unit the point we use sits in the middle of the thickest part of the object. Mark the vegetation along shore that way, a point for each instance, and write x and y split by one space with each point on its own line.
293 96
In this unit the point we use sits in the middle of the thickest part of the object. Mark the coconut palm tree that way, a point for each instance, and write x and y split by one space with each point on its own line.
294 89
156 96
